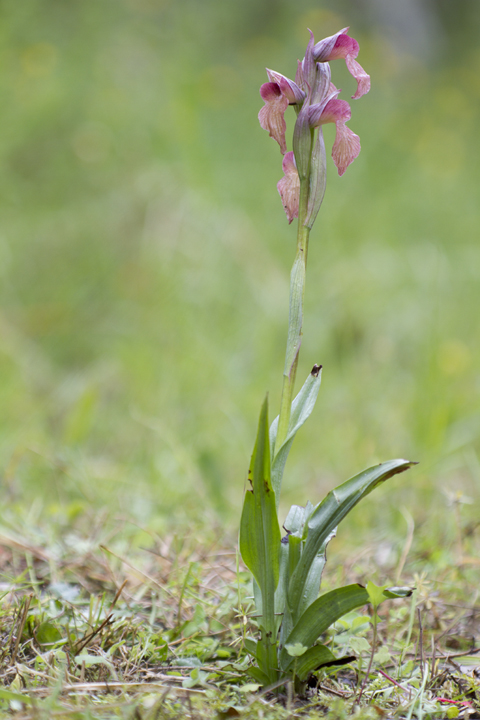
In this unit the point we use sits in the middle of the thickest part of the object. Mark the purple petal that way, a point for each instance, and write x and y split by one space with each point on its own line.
288 87
343 46
347 145
329 112
345 148
289 187
271 116
363 80
323 49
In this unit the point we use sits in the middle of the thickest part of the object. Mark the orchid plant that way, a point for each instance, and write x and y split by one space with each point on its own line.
290 615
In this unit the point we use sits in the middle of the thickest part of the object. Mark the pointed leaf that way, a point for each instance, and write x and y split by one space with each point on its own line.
314 577
282 587
259 531
251 647
328 514
258 675
313 659
302 407
326 610
260 543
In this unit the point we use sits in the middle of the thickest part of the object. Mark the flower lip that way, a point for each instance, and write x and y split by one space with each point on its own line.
347 145
271 116
289 187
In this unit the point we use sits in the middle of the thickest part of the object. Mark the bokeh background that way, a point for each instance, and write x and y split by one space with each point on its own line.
145 259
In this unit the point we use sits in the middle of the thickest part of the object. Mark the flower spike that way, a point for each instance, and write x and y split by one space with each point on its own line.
316 102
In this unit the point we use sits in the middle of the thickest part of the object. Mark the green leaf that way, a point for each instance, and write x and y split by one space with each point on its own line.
359 645
383 655
196 677
314 577
48 634
259 531
321 614
92 660
296 650
260 542
375 593
302 407
296 526
378 594
312 660
328 514
282 587
258 675
251 646
9 695
326 610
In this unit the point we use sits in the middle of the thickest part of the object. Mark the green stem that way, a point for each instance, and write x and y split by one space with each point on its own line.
374 647
295 319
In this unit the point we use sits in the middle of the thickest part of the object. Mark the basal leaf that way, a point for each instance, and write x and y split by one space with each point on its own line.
282 587
313 659
260 542
326 610
314 577
251 647
258 675
318 617
259 531
329 513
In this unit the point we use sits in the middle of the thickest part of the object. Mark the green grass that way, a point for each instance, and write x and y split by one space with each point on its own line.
103 619
144 262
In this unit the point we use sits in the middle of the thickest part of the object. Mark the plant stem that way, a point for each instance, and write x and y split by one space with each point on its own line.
295 318
374 647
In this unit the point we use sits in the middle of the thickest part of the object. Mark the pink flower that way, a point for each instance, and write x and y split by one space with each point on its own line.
271 116
347 145
278 94
316 102
289 187
342 46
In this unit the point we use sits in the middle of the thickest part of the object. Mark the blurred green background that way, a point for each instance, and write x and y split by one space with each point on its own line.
145 258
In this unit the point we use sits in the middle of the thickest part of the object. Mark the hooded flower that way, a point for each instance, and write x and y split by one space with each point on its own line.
342 46
347 145
278 94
